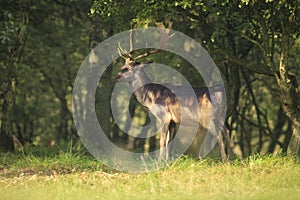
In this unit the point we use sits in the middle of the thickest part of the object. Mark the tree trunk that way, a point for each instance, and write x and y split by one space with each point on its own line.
6 131
7 120
294 146
291 106
290 96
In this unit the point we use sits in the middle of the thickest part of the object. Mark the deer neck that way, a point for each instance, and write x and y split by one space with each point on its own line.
141 92
140 79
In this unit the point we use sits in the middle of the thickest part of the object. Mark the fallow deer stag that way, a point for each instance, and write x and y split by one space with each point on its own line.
152 95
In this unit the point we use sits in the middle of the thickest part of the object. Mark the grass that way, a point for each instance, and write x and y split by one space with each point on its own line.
78 176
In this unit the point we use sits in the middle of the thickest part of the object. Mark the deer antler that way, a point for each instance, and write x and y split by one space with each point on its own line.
123 52
164 34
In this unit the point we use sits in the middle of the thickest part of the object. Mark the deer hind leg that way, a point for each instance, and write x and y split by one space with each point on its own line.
216 131
228 142
222 148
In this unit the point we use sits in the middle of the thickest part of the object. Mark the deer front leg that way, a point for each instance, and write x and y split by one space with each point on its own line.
172 131
163 142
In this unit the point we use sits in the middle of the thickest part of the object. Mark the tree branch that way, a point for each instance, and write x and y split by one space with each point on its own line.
252 66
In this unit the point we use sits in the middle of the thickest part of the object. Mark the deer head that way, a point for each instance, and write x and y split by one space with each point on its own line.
129 71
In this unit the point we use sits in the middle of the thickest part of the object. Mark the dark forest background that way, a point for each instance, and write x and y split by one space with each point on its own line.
255 44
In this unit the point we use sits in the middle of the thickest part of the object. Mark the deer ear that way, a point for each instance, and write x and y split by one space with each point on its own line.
142 65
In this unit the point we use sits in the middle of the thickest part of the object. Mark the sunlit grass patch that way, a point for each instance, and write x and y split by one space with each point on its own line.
79 176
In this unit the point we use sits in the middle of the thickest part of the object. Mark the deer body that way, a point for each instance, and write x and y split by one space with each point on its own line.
165 106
